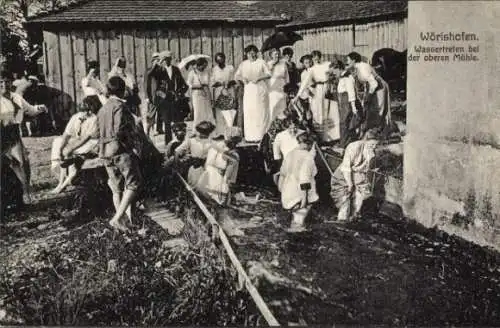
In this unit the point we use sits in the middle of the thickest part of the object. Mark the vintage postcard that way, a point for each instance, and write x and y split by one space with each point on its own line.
248 163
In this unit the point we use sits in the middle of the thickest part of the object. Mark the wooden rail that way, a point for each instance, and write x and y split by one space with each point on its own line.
254 293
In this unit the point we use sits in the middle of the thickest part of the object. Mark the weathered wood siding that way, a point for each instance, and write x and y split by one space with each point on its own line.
366 38
67 53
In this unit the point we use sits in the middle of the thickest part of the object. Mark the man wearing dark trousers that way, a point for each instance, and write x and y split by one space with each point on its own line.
167 87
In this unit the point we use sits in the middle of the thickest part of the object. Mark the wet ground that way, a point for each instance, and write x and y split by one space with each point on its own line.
374 271
378 270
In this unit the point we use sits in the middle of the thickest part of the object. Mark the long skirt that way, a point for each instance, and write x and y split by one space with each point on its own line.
349 204
377 107
194 174
202 107
277 103
325 115
213 184
347 135
255 111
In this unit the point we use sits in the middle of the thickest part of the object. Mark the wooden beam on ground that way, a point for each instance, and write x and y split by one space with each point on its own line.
254 293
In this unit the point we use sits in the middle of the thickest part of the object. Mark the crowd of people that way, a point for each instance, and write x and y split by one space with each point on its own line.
270 103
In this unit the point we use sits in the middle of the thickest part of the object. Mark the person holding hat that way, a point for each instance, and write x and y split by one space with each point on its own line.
193 151
168 88
350 183
297 181
12 109
221 168
79 139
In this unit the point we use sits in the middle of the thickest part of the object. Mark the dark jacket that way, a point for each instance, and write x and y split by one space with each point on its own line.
157 79
116 128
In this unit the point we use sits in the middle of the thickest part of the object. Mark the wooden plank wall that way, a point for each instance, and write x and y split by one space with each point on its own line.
339 39
67 53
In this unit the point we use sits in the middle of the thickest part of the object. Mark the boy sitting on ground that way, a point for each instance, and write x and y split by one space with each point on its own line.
116 141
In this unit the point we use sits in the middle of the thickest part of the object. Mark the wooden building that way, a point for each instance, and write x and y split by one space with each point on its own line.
339 27
103 30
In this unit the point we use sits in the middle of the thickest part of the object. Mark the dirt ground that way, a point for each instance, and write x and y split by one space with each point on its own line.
379 270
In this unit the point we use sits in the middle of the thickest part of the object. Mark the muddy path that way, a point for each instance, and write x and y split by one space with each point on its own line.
378 270
375 271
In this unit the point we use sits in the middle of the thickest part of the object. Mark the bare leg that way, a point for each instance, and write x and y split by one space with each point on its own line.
28 127
344 211
73 171
125 204
358 202
62 177
298 219
20 166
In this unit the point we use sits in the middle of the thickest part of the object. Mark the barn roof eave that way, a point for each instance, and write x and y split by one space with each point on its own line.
270 22
295 25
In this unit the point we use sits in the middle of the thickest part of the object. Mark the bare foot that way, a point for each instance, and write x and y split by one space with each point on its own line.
56 190
118 226
296 229
27 199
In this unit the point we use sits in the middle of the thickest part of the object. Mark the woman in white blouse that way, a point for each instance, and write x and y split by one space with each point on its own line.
91 85
201 96
346 90
253 72
376 99
279 78
324 111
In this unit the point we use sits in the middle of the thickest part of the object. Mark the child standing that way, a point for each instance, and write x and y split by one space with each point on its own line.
116 141
297 182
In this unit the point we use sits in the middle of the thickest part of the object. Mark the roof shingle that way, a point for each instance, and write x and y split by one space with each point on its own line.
314 12
157 11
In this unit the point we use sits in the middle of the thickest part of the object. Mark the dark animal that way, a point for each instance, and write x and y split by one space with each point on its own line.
390 64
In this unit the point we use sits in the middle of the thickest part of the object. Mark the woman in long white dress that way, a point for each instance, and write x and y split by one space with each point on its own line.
297 181
279 78
254 73
325 114
223 85
201 96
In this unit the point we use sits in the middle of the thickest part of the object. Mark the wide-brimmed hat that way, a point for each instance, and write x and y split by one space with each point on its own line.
165 54
205 127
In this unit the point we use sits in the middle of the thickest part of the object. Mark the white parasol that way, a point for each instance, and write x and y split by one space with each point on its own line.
191 58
